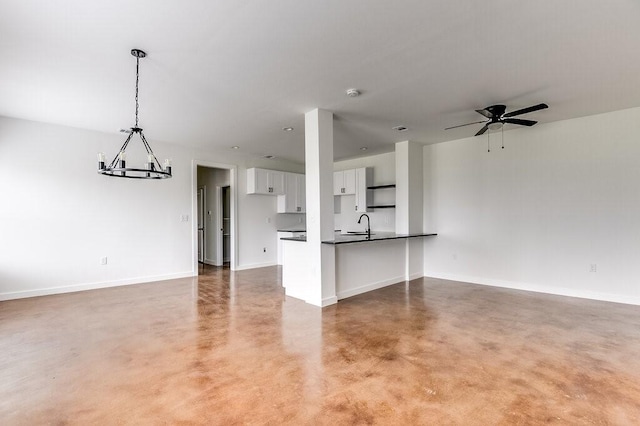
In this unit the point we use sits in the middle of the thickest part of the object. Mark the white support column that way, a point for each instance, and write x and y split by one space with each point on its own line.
319 186
409 203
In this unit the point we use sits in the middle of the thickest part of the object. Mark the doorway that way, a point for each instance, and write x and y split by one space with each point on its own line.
214 208
224 243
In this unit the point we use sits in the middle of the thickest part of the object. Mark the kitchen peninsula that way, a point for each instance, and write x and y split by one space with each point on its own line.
322 268
362 263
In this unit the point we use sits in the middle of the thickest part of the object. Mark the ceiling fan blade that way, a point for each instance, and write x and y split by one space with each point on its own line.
519 121
484 112
526 110
484 129
468 124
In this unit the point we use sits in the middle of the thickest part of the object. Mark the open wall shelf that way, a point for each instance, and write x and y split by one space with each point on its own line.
382 207
384 198
393 185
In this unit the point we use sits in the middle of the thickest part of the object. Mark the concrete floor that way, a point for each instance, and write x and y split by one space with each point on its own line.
230 348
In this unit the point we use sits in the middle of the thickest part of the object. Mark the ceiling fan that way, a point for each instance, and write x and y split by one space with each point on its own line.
496 117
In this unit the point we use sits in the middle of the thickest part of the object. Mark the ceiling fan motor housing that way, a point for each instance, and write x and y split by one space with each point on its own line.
496 110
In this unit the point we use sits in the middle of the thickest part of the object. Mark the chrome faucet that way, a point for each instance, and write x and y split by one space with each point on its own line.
368 224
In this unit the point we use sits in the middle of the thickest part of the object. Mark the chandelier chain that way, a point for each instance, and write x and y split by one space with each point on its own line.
137 79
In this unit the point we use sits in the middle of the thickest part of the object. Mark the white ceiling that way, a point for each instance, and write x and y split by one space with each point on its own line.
230 72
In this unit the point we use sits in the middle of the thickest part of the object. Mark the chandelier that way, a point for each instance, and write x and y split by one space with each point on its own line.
118 166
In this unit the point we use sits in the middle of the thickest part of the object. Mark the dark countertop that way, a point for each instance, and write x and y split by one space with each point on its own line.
296 230
375 236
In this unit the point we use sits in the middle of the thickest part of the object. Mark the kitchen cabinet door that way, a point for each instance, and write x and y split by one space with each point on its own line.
362 176
276 182
344 182
349 182
293 200
338 183
301 198
263 181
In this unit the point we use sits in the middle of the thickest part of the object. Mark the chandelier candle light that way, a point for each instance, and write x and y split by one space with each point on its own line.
118 166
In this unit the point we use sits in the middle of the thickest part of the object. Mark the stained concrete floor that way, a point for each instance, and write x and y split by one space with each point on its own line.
230 348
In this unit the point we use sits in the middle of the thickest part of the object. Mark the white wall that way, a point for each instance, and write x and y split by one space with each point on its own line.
537 214
58 216
384 173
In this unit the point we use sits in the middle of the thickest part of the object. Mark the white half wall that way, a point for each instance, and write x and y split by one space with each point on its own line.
59 217
556 211
363 267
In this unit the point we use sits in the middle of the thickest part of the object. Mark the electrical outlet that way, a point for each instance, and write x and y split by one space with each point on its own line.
268 220
184 218
103 260
593 268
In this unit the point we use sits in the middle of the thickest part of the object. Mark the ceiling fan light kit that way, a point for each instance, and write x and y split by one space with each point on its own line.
118 166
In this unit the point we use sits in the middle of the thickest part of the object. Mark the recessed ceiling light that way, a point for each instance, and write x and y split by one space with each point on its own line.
400 128
352 93
235 147
364 148
287 129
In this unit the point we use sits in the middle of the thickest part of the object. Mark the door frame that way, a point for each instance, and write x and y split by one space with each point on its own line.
233 184
219 260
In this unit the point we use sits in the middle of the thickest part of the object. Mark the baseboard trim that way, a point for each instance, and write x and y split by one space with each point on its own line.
557 291
329 301
254 266
210 262
415 276
90 286
369 287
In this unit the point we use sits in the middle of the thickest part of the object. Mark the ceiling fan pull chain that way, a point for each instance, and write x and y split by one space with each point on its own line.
488 143
502 137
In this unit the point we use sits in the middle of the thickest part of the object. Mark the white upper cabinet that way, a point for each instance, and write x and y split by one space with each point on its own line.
353 182
302 194
362 179
294 198
344 182
263 181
